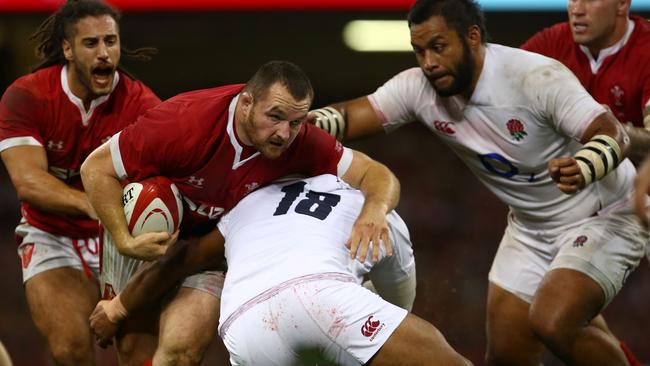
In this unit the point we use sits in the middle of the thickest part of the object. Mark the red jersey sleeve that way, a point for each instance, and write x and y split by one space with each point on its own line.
318 152
163 141
20 113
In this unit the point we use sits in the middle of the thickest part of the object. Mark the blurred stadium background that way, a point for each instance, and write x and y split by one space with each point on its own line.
455 222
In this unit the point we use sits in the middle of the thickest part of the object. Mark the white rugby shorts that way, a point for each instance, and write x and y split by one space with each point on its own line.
606 248
320 317
117 269
40 251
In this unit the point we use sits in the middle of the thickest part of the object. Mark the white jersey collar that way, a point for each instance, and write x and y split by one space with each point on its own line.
606 52
484 78
237 162
85 115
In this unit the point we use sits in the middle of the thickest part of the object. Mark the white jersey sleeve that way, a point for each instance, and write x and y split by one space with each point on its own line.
393 102
558 97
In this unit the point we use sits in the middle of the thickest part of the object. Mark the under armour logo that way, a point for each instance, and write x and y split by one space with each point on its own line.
196 182
54 145
369 327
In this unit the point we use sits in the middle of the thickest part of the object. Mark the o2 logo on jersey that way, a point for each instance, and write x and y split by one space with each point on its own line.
315 204
211 212
497 164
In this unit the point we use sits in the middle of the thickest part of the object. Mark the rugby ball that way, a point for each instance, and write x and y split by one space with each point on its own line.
152 205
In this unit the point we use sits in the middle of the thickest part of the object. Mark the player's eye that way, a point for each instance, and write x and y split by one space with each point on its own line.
295 123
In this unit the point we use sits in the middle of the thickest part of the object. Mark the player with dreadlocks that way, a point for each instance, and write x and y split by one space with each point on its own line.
50 120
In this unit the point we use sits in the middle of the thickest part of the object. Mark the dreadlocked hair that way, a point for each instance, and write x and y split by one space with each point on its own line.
50 34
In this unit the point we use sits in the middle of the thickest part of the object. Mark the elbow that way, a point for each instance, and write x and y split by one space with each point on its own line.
26 192
86 170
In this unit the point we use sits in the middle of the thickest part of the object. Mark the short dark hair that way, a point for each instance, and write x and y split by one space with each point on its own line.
59 26
283 72
458 14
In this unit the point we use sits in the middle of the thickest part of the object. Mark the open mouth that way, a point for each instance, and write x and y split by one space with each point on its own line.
277 144
579 27
102 74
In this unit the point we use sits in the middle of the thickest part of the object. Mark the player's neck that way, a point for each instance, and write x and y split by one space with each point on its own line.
619 32
78 89
240 129
479 60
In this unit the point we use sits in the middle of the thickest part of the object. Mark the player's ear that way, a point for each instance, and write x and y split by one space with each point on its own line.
474 36
67 49
623 7
246 101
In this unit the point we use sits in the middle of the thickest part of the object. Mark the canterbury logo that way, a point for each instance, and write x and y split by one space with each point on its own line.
370 327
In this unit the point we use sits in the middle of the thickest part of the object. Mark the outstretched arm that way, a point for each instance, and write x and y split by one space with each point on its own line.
349 120
381 190
148 285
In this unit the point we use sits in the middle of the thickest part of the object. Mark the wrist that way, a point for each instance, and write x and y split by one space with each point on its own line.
115 310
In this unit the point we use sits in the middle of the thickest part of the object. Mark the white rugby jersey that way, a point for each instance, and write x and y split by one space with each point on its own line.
526 109
284 231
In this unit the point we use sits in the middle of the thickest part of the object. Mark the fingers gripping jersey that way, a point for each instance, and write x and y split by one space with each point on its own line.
294 229
40 110
525 110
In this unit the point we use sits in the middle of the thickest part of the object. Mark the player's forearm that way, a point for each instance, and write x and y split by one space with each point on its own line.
361 120
149 285
349 120
105 194
183 259
639 143
380 187
47 193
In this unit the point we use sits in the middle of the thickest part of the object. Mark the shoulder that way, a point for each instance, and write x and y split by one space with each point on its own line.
642 25
33 91
549 40
413 74
517 61
641 33
405 82
534 73
43 81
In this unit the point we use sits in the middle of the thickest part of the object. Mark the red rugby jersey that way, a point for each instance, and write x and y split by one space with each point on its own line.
191 140
622 80
38 109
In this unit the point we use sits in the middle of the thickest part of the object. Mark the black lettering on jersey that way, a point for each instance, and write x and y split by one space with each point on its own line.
292 191
315 204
